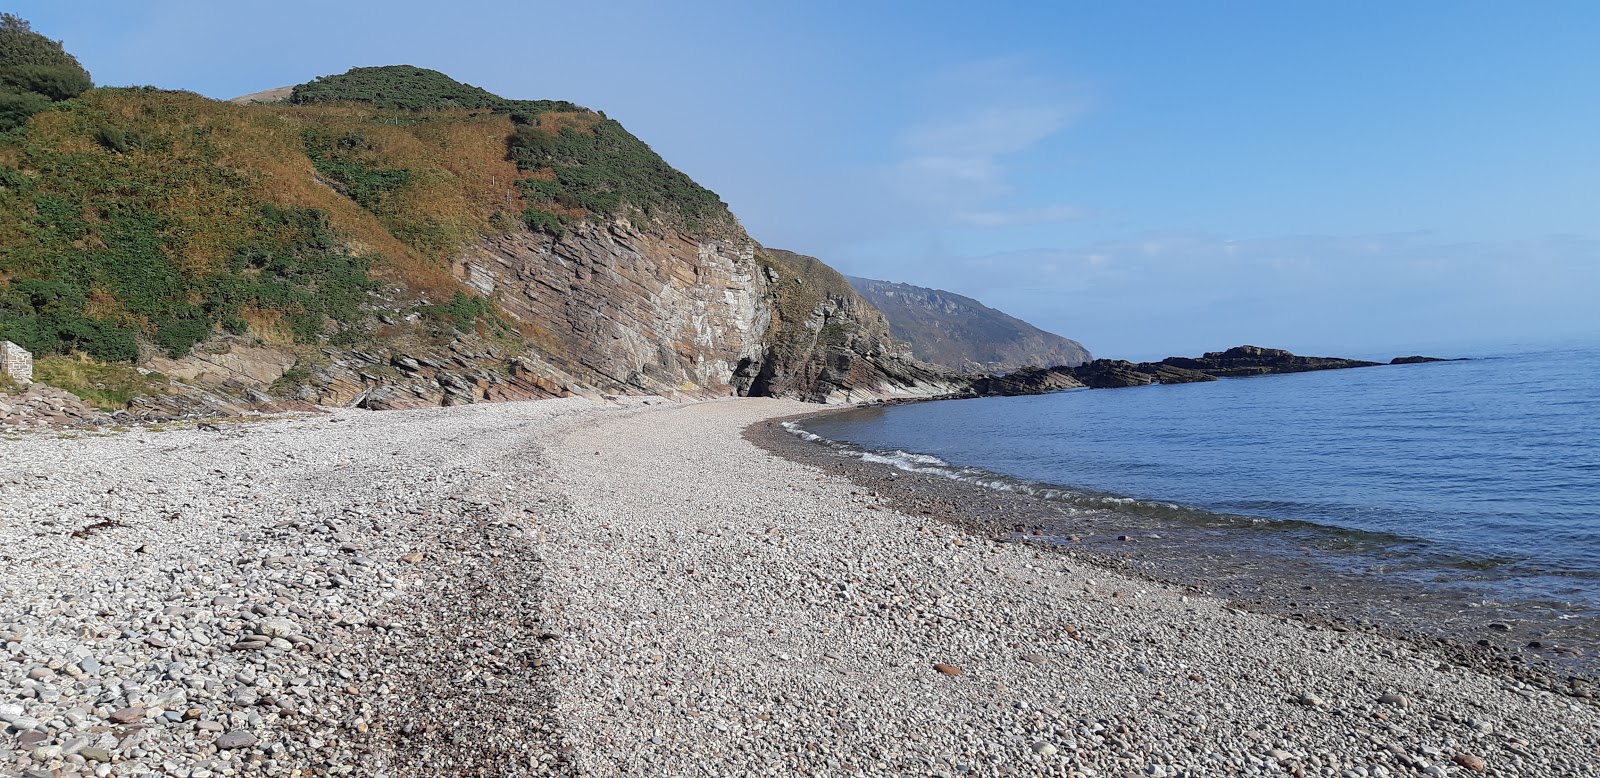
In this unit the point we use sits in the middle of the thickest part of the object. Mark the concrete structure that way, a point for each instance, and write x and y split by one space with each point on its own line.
16 362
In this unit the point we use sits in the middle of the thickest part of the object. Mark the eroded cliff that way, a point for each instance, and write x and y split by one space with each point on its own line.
392 238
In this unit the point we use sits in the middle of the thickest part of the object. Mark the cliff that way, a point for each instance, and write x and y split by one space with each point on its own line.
393 238
825 343
962 334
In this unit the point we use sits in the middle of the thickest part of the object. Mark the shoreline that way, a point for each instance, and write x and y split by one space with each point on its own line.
1284 580
566 587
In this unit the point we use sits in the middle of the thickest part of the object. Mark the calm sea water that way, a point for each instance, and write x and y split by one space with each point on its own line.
1484 472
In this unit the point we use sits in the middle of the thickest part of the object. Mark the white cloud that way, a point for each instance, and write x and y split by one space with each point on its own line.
1047 214
955 170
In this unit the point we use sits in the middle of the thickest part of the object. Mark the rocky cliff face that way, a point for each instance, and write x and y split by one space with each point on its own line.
825 343
962 334
391 238
624 310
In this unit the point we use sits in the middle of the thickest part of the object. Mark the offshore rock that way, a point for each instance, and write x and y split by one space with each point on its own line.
1255 360
1118 373
1417 360
1236 362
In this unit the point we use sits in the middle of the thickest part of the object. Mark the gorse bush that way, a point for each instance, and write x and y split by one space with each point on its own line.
585 162
403 87
98 248
34 72
592 163
337 157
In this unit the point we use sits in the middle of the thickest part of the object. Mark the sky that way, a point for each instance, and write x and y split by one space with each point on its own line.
1151 178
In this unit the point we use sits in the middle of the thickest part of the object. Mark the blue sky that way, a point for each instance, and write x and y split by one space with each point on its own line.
1150 178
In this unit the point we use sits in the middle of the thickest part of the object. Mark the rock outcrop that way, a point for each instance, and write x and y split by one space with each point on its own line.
1029 380
1117 373
964 335
612 307
825 343
1236 362
1255 360
1418 360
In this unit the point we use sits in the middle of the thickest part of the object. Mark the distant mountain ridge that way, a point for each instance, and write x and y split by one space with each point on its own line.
960 333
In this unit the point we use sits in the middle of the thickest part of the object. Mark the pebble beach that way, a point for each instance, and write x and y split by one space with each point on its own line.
634 588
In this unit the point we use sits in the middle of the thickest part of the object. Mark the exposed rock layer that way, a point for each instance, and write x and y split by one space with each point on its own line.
825 343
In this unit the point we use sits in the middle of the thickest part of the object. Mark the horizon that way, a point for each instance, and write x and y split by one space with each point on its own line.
1337 182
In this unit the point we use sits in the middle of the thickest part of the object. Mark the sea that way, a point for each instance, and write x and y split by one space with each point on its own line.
1478 480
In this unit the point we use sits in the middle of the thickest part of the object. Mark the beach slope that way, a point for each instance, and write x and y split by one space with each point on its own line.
615 588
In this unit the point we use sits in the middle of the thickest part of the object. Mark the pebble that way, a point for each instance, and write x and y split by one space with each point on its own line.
235 739
555 575
948 669
127 715
277 628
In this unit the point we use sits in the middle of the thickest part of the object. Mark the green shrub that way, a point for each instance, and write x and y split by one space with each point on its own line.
34 72
463 310
56 82
599 166
340 159
404 87
605 169
542 220
17 107
298 268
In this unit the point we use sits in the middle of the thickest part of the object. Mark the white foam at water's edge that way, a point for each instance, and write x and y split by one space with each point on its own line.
932 465
928 464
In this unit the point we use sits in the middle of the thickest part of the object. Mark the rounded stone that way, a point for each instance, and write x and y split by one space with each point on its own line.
236 739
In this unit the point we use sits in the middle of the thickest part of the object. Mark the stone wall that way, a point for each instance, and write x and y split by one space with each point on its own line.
16 362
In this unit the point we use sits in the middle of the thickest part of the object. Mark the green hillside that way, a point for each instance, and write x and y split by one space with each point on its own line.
146 220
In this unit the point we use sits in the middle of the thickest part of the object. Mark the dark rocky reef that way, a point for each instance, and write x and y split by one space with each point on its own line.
1237 362
1029 380
1117 373
1418 360
1254 360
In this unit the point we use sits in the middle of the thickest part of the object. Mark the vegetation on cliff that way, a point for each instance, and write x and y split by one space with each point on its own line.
349 246
141 217
577 161
34 72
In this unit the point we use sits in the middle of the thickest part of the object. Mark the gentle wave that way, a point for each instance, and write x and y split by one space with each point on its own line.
1487 469
1075 500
